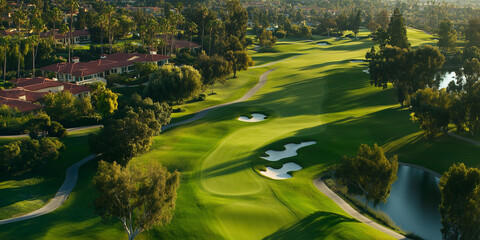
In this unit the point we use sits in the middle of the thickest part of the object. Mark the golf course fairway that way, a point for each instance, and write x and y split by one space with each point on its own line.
318 96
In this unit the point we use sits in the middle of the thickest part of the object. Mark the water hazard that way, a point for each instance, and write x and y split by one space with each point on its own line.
413 203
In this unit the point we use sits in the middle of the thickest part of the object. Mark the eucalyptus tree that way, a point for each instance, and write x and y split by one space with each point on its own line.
371 172
213 25
139 198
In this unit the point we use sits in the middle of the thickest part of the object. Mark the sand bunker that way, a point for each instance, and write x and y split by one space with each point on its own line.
366 71
281 173
290 151
256 117
357 61
322 44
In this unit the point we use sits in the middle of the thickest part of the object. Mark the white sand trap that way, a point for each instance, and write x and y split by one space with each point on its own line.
366 71
281 173
357 61
290 151
322 44
256 117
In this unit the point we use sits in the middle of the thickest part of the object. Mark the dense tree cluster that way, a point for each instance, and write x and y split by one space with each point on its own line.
460 188
407 70
436 109
20 157
130 131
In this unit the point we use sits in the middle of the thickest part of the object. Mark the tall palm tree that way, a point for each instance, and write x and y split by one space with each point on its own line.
63 30
37 26
109 11
20 19
175 20
192 28
73 6
56 15
101 21
4 42
164 28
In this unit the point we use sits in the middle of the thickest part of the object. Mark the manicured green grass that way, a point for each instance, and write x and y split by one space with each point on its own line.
33 190
318 96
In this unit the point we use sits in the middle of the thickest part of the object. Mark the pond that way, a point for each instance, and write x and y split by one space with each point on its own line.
413 203
447 78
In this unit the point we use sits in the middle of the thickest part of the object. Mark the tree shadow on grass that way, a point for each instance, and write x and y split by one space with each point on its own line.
315 226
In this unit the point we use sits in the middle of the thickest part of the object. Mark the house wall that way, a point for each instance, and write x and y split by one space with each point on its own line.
51 89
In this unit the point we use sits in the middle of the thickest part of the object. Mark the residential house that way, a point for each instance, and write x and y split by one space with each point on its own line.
28 94
78 36
97 70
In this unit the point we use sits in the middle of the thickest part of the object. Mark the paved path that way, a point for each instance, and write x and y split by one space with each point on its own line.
347 208
270 64
72 171
203 112
70 130
60 197
474 142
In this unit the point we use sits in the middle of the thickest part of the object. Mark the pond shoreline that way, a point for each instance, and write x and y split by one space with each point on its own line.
438 175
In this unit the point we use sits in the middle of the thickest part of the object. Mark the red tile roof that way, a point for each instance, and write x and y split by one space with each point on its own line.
75 33
21 106
115 60
44 85
76 89
17 93
31 88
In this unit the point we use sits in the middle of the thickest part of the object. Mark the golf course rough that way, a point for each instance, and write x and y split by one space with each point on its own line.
317 96
290 151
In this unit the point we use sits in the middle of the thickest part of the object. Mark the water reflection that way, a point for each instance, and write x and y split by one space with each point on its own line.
413 203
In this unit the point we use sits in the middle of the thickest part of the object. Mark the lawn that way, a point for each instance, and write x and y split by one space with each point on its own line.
318 96
33 190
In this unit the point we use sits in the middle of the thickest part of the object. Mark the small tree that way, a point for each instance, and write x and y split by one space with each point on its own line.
106 101
240 60
460 188
139 198
266 39
371 172
213 69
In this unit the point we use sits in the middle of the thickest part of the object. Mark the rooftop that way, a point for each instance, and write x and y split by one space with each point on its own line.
115 60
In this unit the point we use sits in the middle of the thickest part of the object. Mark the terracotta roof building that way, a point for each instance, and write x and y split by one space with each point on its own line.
21 106
78 36
29 93
97 70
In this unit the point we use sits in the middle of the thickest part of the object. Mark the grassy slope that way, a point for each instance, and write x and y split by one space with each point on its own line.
318 96
31 191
